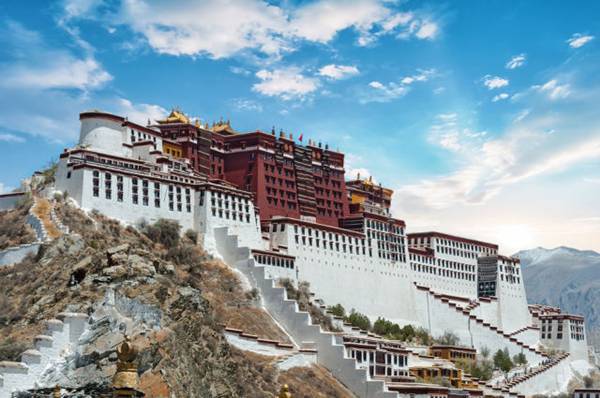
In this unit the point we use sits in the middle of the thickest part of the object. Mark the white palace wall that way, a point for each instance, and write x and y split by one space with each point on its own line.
368 284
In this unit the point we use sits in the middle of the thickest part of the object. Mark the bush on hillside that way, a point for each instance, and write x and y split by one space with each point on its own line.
337 310
165 232
448 338
191 235
502 360
359 320
11 350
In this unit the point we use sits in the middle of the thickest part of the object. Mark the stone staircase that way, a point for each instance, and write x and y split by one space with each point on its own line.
298 324
514 345
536 372
59 339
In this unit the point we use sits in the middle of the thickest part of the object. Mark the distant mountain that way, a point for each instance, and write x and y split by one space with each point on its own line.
567 278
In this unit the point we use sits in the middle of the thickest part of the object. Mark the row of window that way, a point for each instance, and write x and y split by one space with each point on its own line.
178 198
442 272
274 261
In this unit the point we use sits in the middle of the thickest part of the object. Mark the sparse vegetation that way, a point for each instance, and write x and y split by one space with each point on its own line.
166 232
337 310
192 236
10 350
359 320
14 230
502 360
302 296
448 338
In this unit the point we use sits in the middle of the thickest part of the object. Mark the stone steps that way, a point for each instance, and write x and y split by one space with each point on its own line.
510 340
59 339
298 324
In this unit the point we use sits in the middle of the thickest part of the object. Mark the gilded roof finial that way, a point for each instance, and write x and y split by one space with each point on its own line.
197 124
285 392
56 392
125 380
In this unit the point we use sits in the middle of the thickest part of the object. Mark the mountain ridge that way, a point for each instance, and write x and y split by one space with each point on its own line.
565 277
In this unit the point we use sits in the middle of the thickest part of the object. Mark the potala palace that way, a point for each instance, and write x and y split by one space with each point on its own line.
273 207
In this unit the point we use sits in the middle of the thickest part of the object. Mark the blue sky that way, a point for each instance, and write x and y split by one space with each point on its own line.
482 116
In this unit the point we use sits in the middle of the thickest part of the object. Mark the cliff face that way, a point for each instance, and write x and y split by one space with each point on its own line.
567 278
173 302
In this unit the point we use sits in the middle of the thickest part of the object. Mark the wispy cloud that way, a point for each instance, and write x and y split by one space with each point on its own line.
229 28
44 87
380 92
244 104
516 61
494 82
7 137
579 40
5 188
554 90
500 97
337 72
286 83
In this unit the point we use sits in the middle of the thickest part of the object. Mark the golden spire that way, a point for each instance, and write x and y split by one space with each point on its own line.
176 116
125 380
285 392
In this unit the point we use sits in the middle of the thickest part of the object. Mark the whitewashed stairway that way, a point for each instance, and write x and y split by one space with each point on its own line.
298 324
59 339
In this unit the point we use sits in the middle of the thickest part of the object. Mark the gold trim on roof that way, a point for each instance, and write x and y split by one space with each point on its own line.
176 116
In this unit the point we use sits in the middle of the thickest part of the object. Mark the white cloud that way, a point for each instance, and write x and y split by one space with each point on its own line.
488 166
138 113
554 90
247 105
427 30
240 71
355 168
387 92
337 72
35 65
447 133
5 189
579 40
384 92
321 20
78 8
500 97
286 83
61 70
221 29
494 82
7 137
216 29
516 61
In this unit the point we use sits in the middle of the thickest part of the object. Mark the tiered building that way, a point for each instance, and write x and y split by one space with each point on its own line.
291 207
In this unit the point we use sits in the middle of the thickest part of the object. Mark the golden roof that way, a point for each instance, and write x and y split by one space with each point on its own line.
176 116
223 127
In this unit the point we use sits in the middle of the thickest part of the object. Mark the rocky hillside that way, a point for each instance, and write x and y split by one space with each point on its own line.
163 291
567 278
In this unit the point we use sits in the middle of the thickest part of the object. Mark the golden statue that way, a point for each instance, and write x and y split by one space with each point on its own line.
125 381
56 393
285 392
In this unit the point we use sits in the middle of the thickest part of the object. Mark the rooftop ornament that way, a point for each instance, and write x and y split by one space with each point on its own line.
125 380
285 392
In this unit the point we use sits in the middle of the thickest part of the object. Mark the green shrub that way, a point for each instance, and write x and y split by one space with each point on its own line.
10 350
337 310
448 338
502 360
165 232
359 320
191 235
